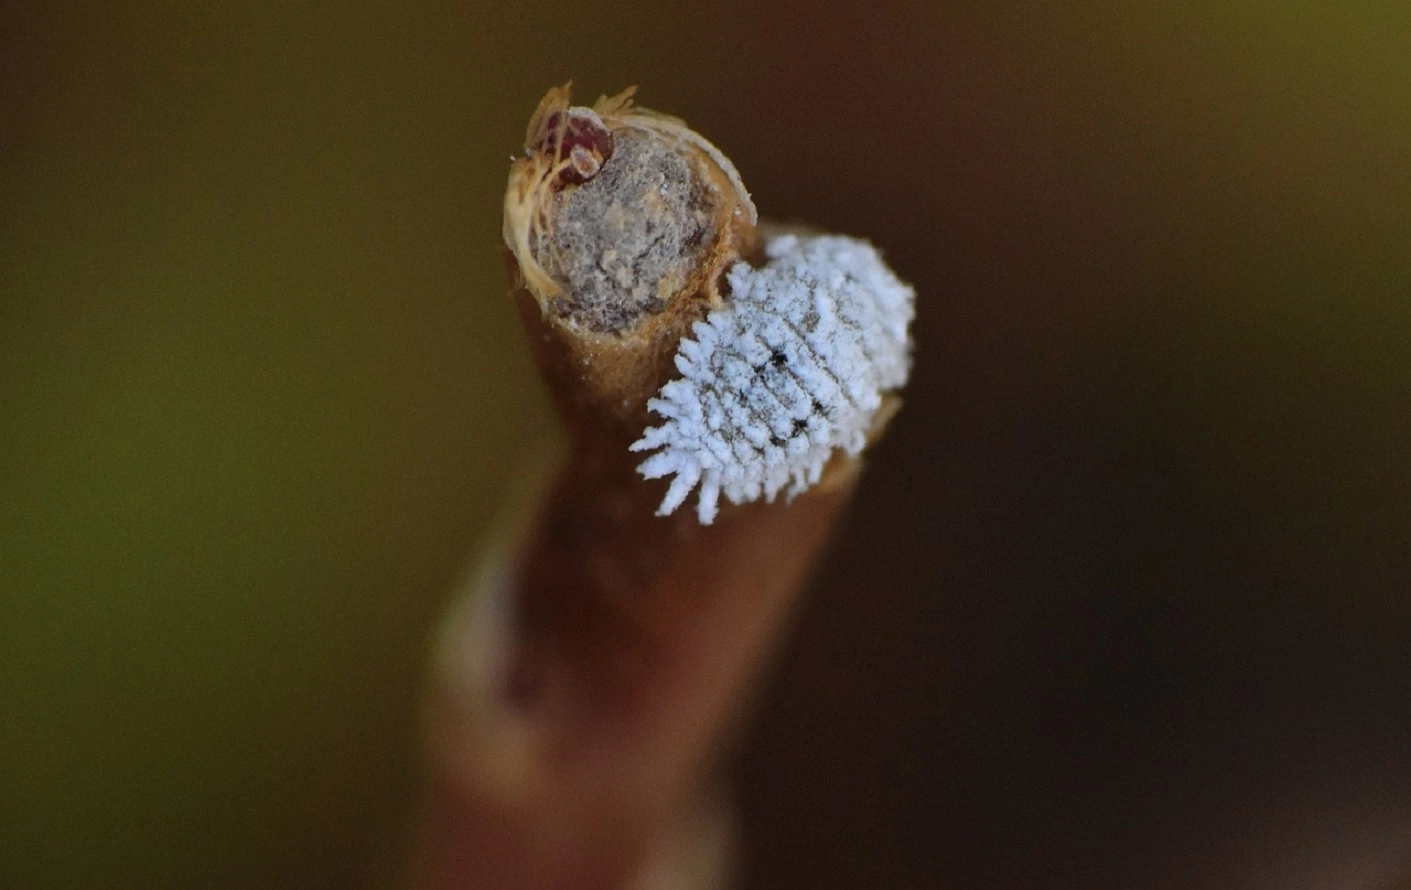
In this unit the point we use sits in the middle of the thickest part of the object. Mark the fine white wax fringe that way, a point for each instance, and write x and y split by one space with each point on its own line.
792 367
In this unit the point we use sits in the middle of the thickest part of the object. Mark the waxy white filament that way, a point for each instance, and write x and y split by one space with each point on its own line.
794 366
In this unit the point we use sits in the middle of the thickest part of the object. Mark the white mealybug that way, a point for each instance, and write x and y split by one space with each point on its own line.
792 367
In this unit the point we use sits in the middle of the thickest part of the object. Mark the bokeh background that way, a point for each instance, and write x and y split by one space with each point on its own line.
1123 602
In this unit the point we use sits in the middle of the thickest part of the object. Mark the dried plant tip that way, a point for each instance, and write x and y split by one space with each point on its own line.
620 218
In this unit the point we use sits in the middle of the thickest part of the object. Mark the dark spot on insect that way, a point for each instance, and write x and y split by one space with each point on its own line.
800 425
819 409
778 359
776 441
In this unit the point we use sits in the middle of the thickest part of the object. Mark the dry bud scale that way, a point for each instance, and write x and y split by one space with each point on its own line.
761 356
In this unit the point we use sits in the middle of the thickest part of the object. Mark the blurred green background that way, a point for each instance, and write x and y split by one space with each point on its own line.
1124 599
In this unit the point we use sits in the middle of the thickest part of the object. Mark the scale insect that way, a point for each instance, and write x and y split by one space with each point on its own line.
794 366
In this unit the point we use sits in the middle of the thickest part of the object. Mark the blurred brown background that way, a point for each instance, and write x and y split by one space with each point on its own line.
1123 602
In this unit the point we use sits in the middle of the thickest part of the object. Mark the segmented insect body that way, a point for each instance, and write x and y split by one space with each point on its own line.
793 367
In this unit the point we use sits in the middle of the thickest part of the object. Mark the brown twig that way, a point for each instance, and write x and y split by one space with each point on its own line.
588 680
